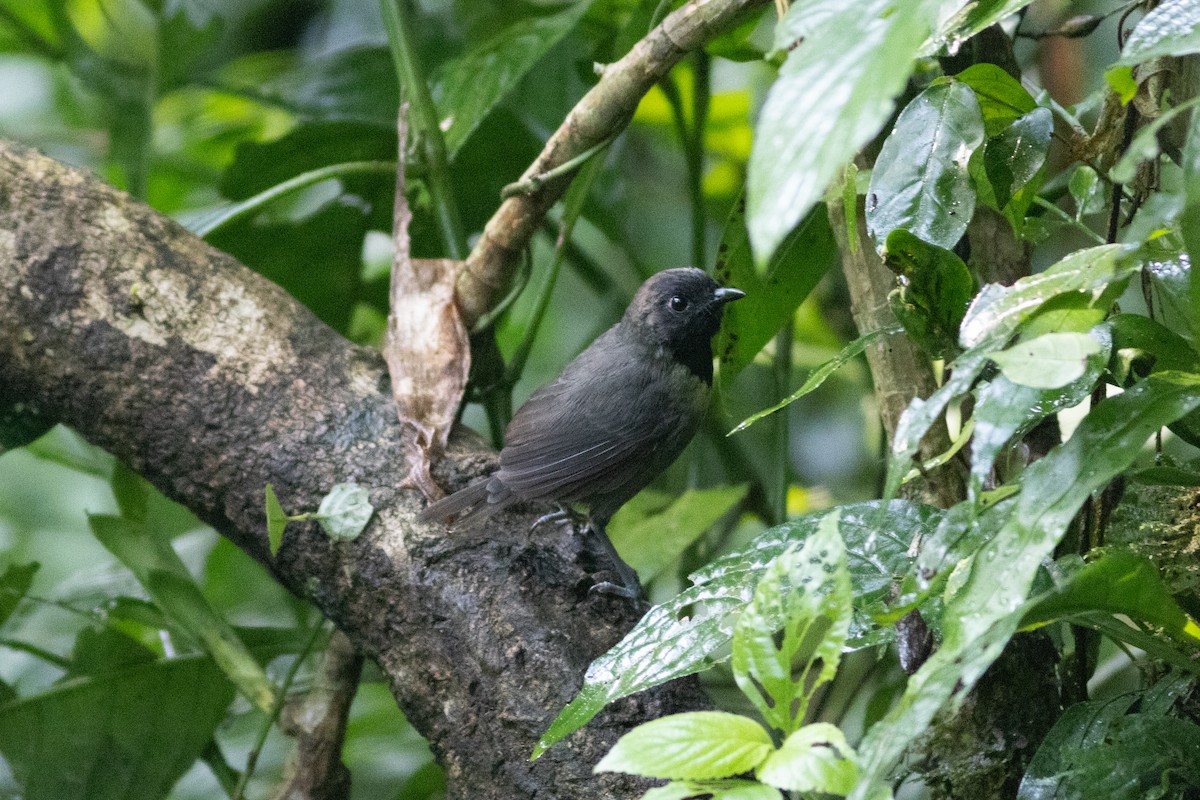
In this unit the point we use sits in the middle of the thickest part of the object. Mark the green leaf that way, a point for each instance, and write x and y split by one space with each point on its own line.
161 572
357 84
127 735
1119 582
985 612
1002 99
807 593
1121 81
920 182
771 298
99 651
470 85
1049 361
971 19
808 130
693 630
696 745
1189 218
1172 28
650 542
14 585
816 758
1087 190
935 288
818 375
345 511
276 520
1013 162
713 790
1081 725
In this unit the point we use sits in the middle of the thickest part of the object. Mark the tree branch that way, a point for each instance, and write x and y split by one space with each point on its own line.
212 382
596 118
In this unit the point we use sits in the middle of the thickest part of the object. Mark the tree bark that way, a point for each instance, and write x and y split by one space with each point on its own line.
212 382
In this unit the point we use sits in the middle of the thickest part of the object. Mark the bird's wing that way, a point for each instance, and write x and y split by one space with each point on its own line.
586 433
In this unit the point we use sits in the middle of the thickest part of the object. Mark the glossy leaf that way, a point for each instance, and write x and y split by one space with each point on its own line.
1080 726
816 758
807 591
101 737
771 297
834 92
357 84
1172 28
14 585
1087 190
694 746
985 612
470 85
1002 99
1013 160
1119 582
920 182
692 630
935 288
161 572
1189 218
1049 361
345 511
971 19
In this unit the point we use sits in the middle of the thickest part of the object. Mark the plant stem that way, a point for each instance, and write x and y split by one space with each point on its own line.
437 165
783 373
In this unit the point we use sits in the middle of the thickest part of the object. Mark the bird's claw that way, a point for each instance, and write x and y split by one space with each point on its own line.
562 516
617 590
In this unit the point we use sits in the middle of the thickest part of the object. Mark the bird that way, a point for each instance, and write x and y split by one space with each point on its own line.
618 415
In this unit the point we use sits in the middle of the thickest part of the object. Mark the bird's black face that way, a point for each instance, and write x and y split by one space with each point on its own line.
681 310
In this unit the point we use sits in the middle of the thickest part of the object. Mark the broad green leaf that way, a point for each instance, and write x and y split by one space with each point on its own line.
694 746
649 543
971 19
714 790
471 84
345 511
986 611
996 312
1145 144
1049 361
935 288
816 758
99 651
1081 726
963 530
1172 28
693 630
1087 190
1132 757
1002 98
276 520
920 182
1013 160
807 592
14 585
124 735
772 297
160 571
1189 218
1119 582
834 92
818 375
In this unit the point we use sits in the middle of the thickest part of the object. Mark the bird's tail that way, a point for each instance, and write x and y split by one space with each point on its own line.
470 504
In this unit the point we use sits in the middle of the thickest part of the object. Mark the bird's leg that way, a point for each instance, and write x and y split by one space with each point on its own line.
561 516
630 586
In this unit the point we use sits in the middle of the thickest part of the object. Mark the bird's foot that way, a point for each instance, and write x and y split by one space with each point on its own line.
562 516
616 590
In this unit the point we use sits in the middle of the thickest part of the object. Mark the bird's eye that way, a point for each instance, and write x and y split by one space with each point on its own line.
677 303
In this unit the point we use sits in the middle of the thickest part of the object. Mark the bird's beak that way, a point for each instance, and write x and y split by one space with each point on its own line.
726 295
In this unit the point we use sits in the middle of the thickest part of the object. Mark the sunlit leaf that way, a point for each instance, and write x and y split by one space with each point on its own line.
834 92
816 758
1049 361
695 746
345 511
1172 28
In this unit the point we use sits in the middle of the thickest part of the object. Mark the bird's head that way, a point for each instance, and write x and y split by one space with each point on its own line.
680 308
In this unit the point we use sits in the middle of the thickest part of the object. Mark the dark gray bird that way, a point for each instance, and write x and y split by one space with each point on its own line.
616 417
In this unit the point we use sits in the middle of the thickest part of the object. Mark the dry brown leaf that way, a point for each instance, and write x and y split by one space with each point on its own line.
427 350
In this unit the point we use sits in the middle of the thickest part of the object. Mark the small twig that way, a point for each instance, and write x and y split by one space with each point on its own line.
533 183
